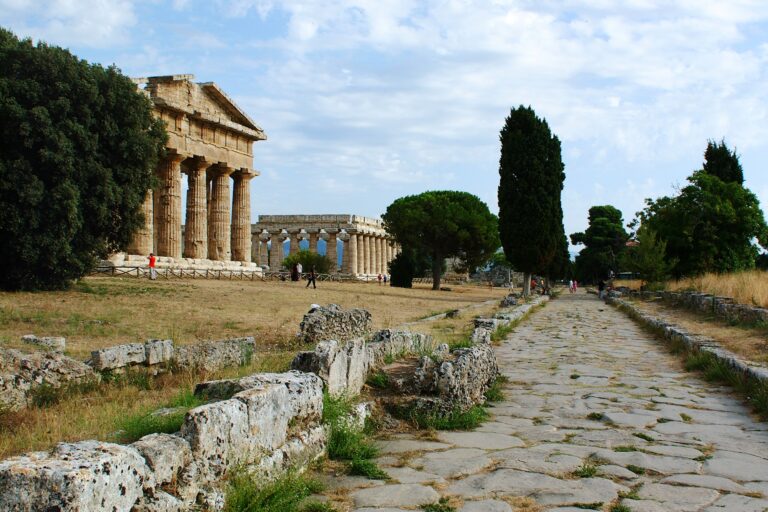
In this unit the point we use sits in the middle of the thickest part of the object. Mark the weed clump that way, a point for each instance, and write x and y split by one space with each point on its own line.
247 494
454 420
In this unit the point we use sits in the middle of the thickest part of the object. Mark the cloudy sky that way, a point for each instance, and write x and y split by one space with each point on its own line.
365 101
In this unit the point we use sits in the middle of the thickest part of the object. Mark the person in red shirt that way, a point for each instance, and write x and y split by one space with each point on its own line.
152 261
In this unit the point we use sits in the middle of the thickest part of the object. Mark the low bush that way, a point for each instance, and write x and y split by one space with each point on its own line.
245 493
455 420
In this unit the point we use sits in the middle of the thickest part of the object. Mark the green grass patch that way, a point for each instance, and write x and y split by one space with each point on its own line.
685 417
585 471
495 393
317 506
620 508
460 343
595 416
575 376
503 331
625 449
440 506
644 437
636 469
590 506
348 442
46 395
455 420
247 494
134 427
379 380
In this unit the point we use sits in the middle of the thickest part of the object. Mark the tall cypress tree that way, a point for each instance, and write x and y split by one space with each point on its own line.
532 175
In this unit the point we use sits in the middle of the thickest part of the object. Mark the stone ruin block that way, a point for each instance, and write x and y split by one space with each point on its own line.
343 366
89 475
334 323
464 381
57 343
20 373
305 391
480 335
119 356
215 355
158 351
166 455
240 430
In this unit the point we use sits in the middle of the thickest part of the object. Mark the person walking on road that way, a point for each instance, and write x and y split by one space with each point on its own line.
311 276
601 289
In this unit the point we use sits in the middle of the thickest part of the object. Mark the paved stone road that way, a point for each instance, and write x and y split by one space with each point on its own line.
596 414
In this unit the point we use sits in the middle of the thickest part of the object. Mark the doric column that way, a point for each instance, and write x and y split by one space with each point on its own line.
350 255
369 253
169 202
219 235
264 253
276 255
313 242
293 248
380 255
241 215
143 239
362 254
196 229
330 252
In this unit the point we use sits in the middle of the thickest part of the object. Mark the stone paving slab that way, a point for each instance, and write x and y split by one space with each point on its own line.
594 409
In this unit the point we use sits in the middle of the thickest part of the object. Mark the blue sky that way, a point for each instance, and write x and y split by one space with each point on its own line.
365 101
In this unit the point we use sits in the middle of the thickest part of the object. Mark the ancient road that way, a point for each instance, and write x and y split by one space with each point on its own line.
597 413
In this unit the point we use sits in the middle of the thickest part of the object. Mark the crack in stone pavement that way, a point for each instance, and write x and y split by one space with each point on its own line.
596 412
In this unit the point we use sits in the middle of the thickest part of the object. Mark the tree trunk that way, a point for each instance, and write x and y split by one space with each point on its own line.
437 265
526 284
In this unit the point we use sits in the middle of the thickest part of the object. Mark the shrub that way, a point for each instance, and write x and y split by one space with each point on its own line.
455 420
308 260
246 494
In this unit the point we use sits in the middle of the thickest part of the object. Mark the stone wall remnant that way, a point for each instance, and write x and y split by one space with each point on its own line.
724 307
331 322
57 343
21 373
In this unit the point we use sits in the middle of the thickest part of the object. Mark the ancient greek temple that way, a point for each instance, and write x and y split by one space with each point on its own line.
211 143
365 247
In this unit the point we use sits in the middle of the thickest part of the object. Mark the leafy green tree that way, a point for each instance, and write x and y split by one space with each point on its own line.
710 225
531 181
604 241
308 260
444 224
78 148
648 257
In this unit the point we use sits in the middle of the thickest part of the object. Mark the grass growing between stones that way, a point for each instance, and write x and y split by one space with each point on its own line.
134 427
455 420
495 393
378 380
441 506
585 471
347 441
288 494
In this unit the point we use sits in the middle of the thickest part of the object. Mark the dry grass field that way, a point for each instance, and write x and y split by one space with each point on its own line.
749 287
100 312
105 311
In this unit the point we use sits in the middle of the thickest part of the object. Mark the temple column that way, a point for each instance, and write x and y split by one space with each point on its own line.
350 255
196 229
369 246
143 239
169 212
276 255
264 253
380 254
219 228
241 215
362 254
293 248
313 242
330 252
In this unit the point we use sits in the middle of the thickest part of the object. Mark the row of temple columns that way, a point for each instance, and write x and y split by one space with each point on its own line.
361 253
215 228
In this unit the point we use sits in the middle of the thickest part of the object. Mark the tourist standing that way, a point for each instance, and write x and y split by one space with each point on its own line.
570 286
378 278
300 269
601 289
152 263
295 275
311 277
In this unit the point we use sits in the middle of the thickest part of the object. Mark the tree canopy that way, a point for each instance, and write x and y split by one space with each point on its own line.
604 241
531 180
711 224
78 146
444 224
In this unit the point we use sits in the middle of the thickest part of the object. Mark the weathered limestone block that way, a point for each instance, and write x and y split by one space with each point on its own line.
333 322
160 501
158 351
20 373
464 381
89 475
302 449
480 335
119 356
166 455
239 430
215 355
396 343
509 301
57 343
490 324
343 366
305 391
